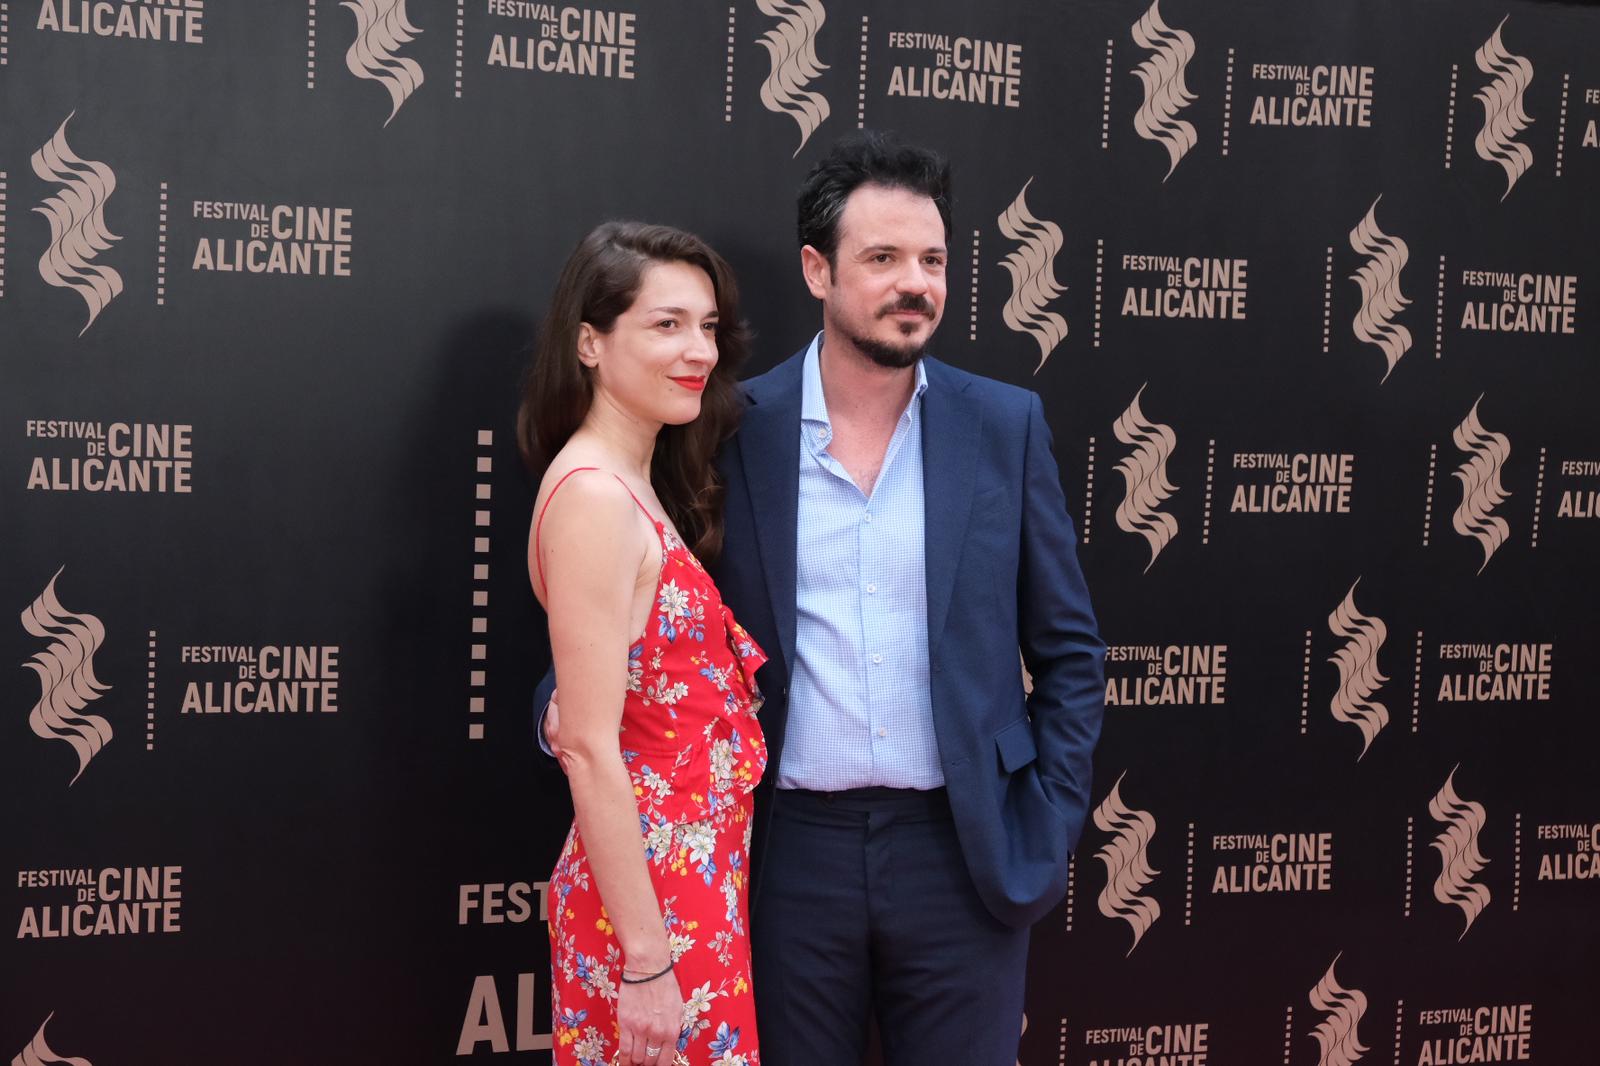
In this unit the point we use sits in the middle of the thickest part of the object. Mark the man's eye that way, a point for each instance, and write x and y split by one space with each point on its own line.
881 257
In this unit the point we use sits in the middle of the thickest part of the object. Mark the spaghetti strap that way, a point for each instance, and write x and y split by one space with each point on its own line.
538 525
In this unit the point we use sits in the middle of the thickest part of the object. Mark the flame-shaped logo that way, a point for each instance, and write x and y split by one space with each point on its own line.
381 29
1359 677
1033 279
1379 279
77 217
1145 474
38 1052
792 49
1459 857
1165 94
1481 490
1127 862
1503 114
66 676
1336 1034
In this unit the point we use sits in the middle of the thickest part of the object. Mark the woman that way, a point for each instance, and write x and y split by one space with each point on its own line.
631 392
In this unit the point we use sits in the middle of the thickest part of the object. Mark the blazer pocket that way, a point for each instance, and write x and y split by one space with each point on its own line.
1015 744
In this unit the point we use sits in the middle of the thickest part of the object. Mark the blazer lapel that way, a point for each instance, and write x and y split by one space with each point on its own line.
951 428
770 448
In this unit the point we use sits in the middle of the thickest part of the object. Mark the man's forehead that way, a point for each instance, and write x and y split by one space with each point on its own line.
877 215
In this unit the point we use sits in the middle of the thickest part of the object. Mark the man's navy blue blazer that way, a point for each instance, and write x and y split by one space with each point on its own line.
1003 575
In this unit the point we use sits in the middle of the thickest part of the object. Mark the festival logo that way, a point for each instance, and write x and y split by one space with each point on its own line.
109 901
1567 852
1144 473
113 456
1179 286
39 1053
1170 675
957 68
272 680
1581 500
1359 676
261 238
1279 483
1033 280
1379 281
67 684
182 21
792 50
382 28
1127 863
1272 863
1519 302
1481 490
1325 95
1496 673
77 217
1503 113
1486 1034
1161 75
1460 860
1179 1043
583 42
1337 1035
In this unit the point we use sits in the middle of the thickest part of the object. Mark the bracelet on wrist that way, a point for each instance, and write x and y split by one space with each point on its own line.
647 978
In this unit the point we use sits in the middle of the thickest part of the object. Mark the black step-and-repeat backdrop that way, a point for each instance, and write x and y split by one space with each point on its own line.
1309 291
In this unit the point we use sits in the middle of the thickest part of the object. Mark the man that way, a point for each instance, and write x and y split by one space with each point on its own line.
896 530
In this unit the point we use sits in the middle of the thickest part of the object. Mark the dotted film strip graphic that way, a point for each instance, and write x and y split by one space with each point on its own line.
1105 102
1099 284
461 41
161 248
861 83
1327 300
1211 466
1427 507
727 78
1516 867
1288 1033
2 233
5 33
1411 831
1227 104
1188 881
478 677
1305 685
1561 123
1438 315
150 696
1088 495
972 310
1450 117
1399 1026
311 44
1538 494
1416 686
1072 877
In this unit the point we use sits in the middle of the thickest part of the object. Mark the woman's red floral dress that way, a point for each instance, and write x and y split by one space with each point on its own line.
694 751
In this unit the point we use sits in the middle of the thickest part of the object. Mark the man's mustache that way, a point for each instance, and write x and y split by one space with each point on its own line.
909 302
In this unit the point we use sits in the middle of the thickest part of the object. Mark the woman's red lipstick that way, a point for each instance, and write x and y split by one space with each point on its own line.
691 383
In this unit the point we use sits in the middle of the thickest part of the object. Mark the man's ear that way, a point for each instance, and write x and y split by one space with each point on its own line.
818 274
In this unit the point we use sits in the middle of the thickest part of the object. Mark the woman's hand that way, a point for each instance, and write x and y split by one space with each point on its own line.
649 1020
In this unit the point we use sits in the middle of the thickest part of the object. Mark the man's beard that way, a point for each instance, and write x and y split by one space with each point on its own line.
893 356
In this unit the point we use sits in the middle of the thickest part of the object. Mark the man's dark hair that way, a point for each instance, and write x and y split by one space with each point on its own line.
867 157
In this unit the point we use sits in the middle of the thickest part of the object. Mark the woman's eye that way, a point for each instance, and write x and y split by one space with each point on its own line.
667 323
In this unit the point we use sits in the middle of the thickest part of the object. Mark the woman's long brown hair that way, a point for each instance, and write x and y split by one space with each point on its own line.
599 282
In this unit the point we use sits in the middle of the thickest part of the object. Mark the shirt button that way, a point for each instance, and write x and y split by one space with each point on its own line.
867 518
882 732
871 588
877 658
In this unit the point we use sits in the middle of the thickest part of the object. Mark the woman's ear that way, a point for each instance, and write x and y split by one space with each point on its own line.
588 345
